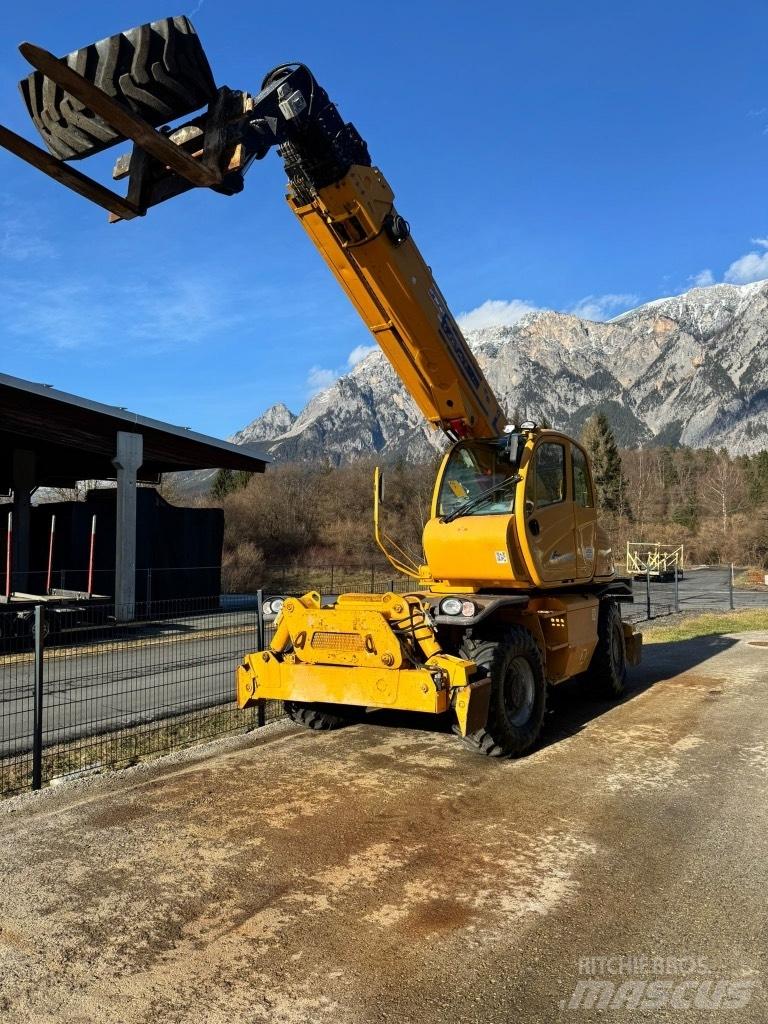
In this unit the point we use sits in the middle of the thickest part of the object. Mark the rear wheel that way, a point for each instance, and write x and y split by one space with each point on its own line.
607 671
158 71
518 693
320 717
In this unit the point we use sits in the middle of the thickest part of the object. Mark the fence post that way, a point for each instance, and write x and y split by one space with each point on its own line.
373 579
260 631
261 640
648 592
149 590
731 605
677 589
331 579
37 727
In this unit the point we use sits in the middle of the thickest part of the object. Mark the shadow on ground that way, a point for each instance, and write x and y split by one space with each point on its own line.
572 705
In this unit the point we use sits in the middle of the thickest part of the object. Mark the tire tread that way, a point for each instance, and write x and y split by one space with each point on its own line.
158 71
495 739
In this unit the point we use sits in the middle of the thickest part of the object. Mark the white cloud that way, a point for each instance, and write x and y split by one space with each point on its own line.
79 314
601 307
359 353
703 279
495 313
752 266
319 378
19 242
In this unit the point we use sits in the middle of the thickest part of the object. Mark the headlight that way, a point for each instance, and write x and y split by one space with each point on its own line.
273 606
457 606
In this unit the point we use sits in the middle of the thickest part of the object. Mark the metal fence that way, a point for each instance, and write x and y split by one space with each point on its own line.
707 588
80 691
332 579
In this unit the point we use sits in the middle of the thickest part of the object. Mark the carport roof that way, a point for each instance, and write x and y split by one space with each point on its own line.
74 438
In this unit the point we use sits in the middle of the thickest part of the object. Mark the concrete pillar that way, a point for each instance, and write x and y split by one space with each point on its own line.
129 457
23 485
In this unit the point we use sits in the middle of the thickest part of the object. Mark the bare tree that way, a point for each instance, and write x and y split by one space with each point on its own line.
722 490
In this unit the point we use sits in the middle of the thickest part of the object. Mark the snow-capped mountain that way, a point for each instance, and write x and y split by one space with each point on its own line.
691 369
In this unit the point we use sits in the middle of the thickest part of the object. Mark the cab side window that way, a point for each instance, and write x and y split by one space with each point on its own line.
549 473
582 488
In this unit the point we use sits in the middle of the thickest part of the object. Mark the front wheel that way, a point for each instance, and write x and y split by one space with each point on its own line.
607 671
518 693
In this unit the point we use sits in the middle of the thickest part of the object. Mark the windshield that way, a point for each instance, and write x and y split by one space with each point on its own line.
475 467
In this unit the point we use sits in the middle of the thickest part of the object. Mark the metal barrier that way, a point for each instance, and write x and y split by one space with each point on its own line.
661 560
80 691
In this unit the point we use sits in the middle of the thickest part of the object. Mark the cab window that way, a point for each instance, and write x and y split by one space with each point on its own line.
582 488
481 471
549 474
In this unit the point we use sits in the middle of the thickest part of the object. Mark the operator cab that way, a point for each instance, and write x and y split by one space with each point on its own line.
523 508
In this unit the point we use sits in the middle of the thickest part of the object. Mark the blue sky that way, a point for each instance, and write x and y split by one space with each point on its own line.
579 157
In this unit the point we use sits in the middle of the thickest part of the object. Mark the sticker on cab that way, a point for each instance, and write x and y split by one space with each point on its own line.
501 557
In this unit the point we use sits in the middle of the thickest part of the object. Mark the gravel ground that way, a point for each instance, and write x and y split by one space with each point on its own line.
383 873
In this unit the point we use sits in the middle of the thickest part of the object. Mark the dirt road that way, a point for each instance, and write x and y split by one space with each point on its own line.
382 873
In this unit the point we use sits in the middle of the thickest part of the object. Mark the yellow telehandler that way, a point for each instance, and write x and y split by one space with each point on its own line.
519 589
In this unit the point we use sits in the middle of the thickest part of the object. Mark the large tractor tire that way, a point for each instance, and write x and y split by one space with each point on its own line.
320 717
158 71
607 672
518 693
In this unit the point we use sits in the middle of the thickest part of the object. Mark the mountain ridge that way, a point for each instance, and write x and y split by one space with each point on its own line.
686 369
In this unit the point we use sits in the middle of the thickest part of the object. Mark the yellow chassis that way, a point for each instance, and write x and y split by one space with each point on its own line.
367 661
349 654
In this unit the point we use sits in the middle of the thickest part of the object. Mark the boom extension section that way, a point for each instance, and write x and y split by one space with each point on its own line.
83 104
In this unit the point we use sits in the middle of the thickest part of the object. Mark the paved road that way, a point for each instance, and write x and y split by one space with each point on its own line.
383 873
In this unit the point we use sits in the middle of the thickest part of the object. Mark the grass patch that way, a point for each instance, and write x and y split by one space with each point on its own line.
129 745
751 579
707 624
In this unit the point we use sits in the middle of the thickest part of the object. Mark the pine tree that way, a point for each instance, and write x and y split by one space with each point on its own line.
607 473
228 480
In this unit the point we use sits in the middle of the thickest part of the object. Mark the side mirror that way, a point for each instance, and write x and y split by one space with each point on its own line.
379 485
513 448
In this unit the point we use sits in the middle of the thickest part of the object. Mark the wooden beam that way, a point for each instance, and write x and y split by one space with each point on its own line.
126 122
66 175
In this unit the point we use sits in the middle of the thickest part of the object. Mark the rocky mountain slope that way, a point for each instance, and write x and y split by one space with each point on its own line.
692 369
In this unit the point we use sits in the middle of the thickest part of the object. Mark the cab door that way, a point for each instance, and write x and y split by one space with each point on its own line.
549 517
584 514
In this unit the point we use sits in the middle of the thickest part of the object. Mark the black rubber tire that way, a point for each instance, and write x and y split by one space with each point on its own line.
158 70
320 717
511 729
607 672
